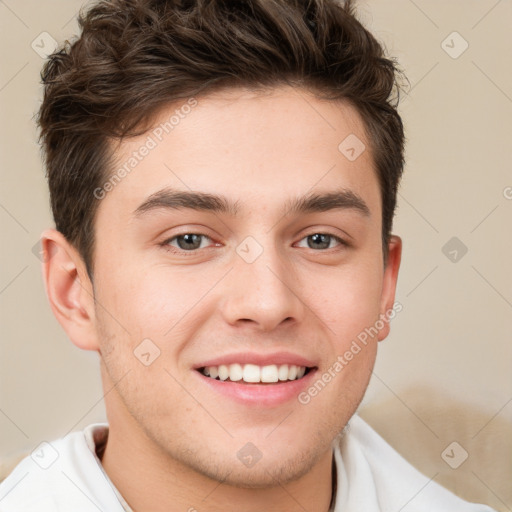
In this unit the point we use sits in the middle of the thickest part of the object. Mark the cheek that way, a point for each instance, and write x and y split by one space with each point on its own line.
150 302
348 300
157 305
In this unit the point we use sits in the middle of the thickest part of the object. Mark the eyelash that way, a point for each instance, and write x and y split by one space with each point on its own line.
166 243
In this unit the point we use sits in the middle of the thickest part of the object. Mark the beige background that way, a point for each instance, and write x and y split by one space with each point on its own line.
445 373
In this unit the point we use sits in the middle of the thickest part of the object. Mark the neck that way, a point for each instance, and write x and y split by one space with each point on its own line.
151 480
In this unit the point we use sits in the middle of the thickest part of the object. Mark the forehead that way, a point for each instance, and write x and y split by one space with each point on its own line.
247 145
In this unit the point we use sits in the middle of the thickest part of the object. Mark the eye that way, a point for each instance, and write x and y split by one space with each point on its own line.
186 242
323 241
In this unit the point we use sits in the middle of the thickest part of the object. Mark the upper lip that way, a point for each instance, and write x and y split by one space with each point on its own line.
277 358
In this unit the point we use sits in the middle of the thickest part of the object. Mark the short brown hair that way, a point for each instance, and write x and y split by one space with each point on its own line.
135 56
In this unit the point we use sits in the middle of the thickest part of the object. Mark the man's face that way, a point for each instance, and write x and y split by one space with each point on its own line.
266 287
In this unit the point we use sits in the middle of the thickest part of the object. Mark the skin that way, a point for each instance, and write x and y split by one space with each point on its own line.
173 442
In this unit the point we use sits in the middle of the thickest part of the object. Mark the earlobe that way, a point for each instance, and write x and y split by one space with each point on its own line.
389 282
69 289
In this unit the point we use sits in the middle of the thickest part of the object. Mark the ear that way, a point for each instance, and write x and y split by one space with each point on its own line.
69 289
389 282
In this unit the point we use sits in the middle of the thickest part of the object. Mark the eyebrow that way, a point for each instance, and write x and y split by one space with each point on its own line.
175 199
339 200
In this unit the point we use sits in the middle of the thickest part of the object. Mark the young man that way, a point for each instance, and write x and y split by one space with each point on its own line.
223 179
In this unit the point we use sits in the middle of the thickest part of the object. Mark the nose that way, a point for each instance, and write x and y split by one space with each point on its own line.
264 293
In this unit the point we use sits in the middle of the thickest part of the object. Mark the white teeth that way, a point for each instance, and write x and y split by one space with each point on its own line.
269 373
235 372
253 373
223 372
283 372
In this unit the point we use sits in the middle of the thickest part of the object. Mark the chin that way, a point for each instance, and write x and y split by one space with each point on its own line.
264 474
243 465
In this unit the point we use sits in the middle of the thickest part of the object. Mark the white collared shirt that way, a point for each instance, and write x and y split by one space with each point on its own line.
66 475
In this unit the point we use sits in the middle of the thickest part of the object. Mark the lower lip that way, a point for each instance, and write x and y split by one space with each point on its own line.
269 395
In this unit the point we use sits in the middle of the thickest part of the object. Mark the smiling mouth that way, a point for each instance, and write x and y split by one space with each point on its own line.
254 374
